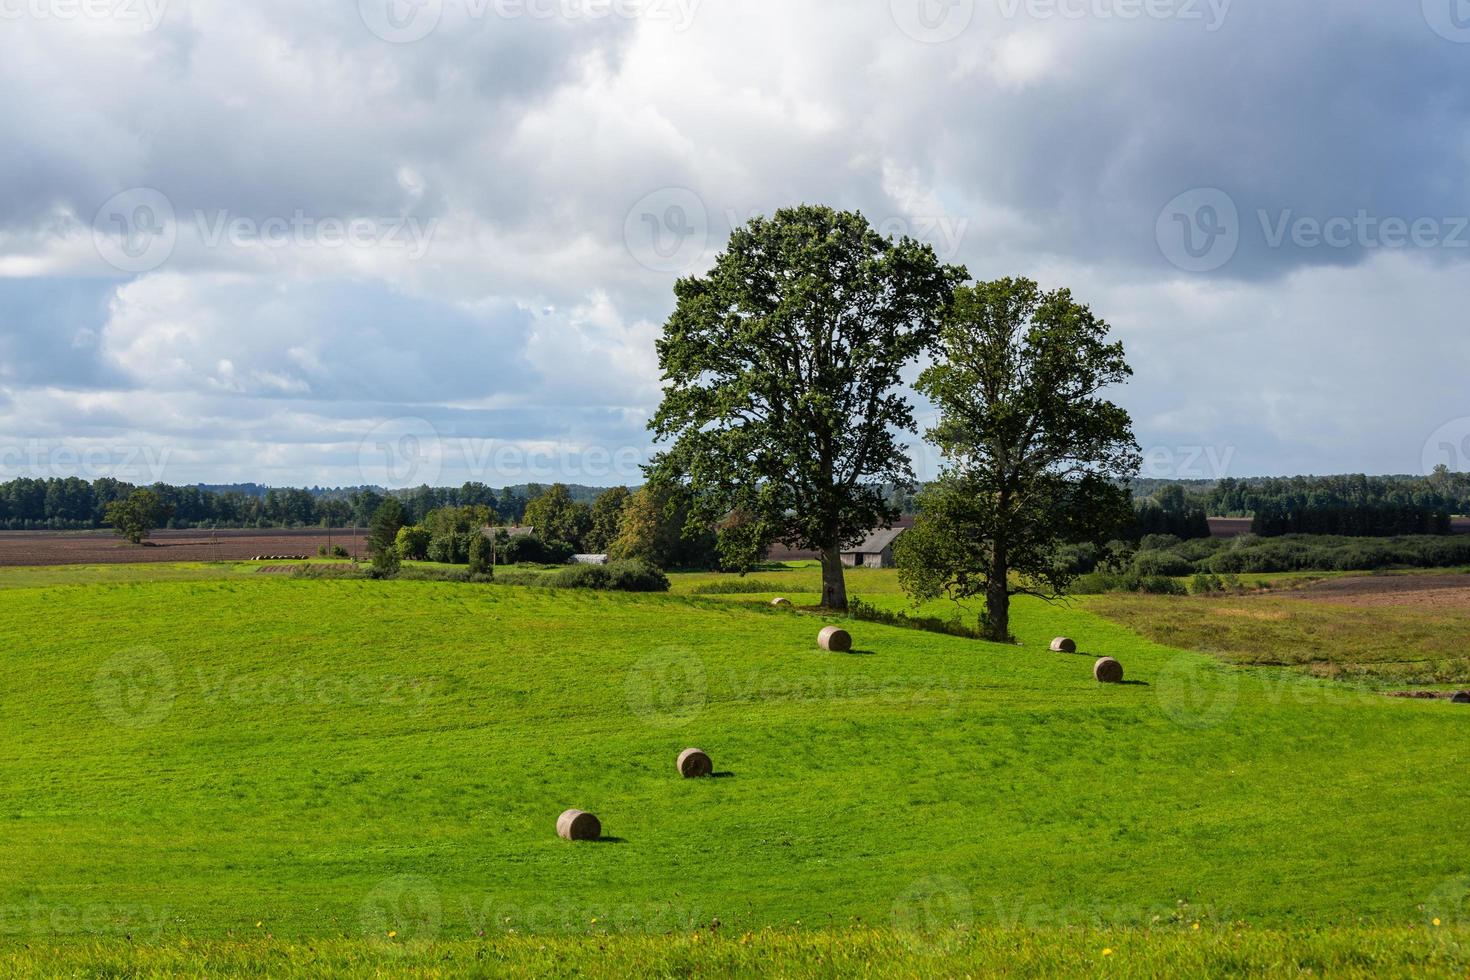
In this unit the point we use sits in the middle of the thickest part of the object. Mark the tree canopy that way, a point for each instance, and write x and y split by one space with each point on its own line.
1034 455
781 372
135 516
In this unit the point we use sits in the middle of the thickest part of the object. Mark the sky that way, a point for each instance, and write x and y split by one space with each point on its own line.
407 241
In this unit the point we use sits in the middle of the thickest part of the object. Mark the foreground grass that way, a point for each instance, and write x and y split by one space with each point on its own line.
845 952
1374 644
327 759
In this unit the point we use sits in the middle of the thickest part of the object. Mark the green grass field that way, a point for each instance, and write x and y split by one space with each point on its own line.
319 774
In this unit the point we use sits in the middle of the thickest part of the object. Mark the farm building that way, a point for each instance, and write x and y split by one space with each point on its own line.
874 551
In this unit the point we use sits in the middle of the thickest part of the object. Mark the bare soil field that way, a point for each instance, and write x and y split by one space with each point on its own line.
1433 591
103 547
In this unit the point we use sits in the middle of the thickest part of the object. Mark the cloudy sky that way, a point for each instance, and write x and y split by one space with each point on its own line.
398 241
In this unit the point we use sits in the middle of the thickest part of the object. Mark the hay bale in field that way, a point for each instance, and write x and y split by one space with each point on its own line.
1064 644
834 639
1108 671
781 602
693 763
1461 697
578 825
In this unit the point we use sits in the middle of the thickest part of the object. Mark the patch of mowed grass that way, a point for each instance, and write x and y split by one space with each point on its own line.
1354 952
318 759
1388 645
38 576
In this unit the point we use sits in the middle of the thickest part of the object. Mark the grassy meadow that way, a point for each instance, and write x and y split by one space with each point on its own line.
203 765
1379 645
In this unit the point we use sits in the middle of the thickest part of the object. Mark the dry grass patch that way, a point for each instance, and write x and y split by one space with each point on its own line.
1391 645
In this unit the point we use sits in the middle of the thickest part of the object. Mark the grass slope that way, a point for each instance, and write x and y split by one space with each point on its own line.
255 755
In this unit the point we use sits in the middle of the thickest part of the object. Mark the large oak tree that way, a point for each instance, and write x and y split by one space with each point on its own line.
1035 456
782 370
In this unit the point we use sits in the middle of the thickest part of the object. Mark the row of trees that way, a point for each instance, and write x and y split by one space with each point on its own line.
71 503
1353 505
647 524
1170 510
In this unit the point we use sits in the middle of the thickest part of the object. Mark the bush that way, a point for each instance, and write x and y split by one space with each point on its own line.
386 563
452 548
529 548
636 576
339 552
1205 583
1079 559
413 542
482 555
632 575
1161 563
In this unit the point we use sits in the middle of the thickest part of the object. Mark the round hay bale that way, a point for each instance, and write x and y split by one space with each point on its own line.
781 602
1461 697
834 639
1064 644
1108 671
578 825
694 763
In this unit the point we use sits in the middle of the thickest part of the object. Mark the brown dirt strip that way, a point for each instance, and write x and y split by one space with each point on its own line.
104 548
1433 591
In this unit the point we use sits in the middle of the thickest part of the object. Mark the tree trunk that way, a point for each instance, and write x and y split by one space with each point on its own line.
998 597
834 586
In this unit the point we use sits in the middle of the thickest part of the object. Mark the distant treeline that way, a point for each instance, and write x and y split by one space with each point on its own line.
70 503
1350 506
1161 563
1355 506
